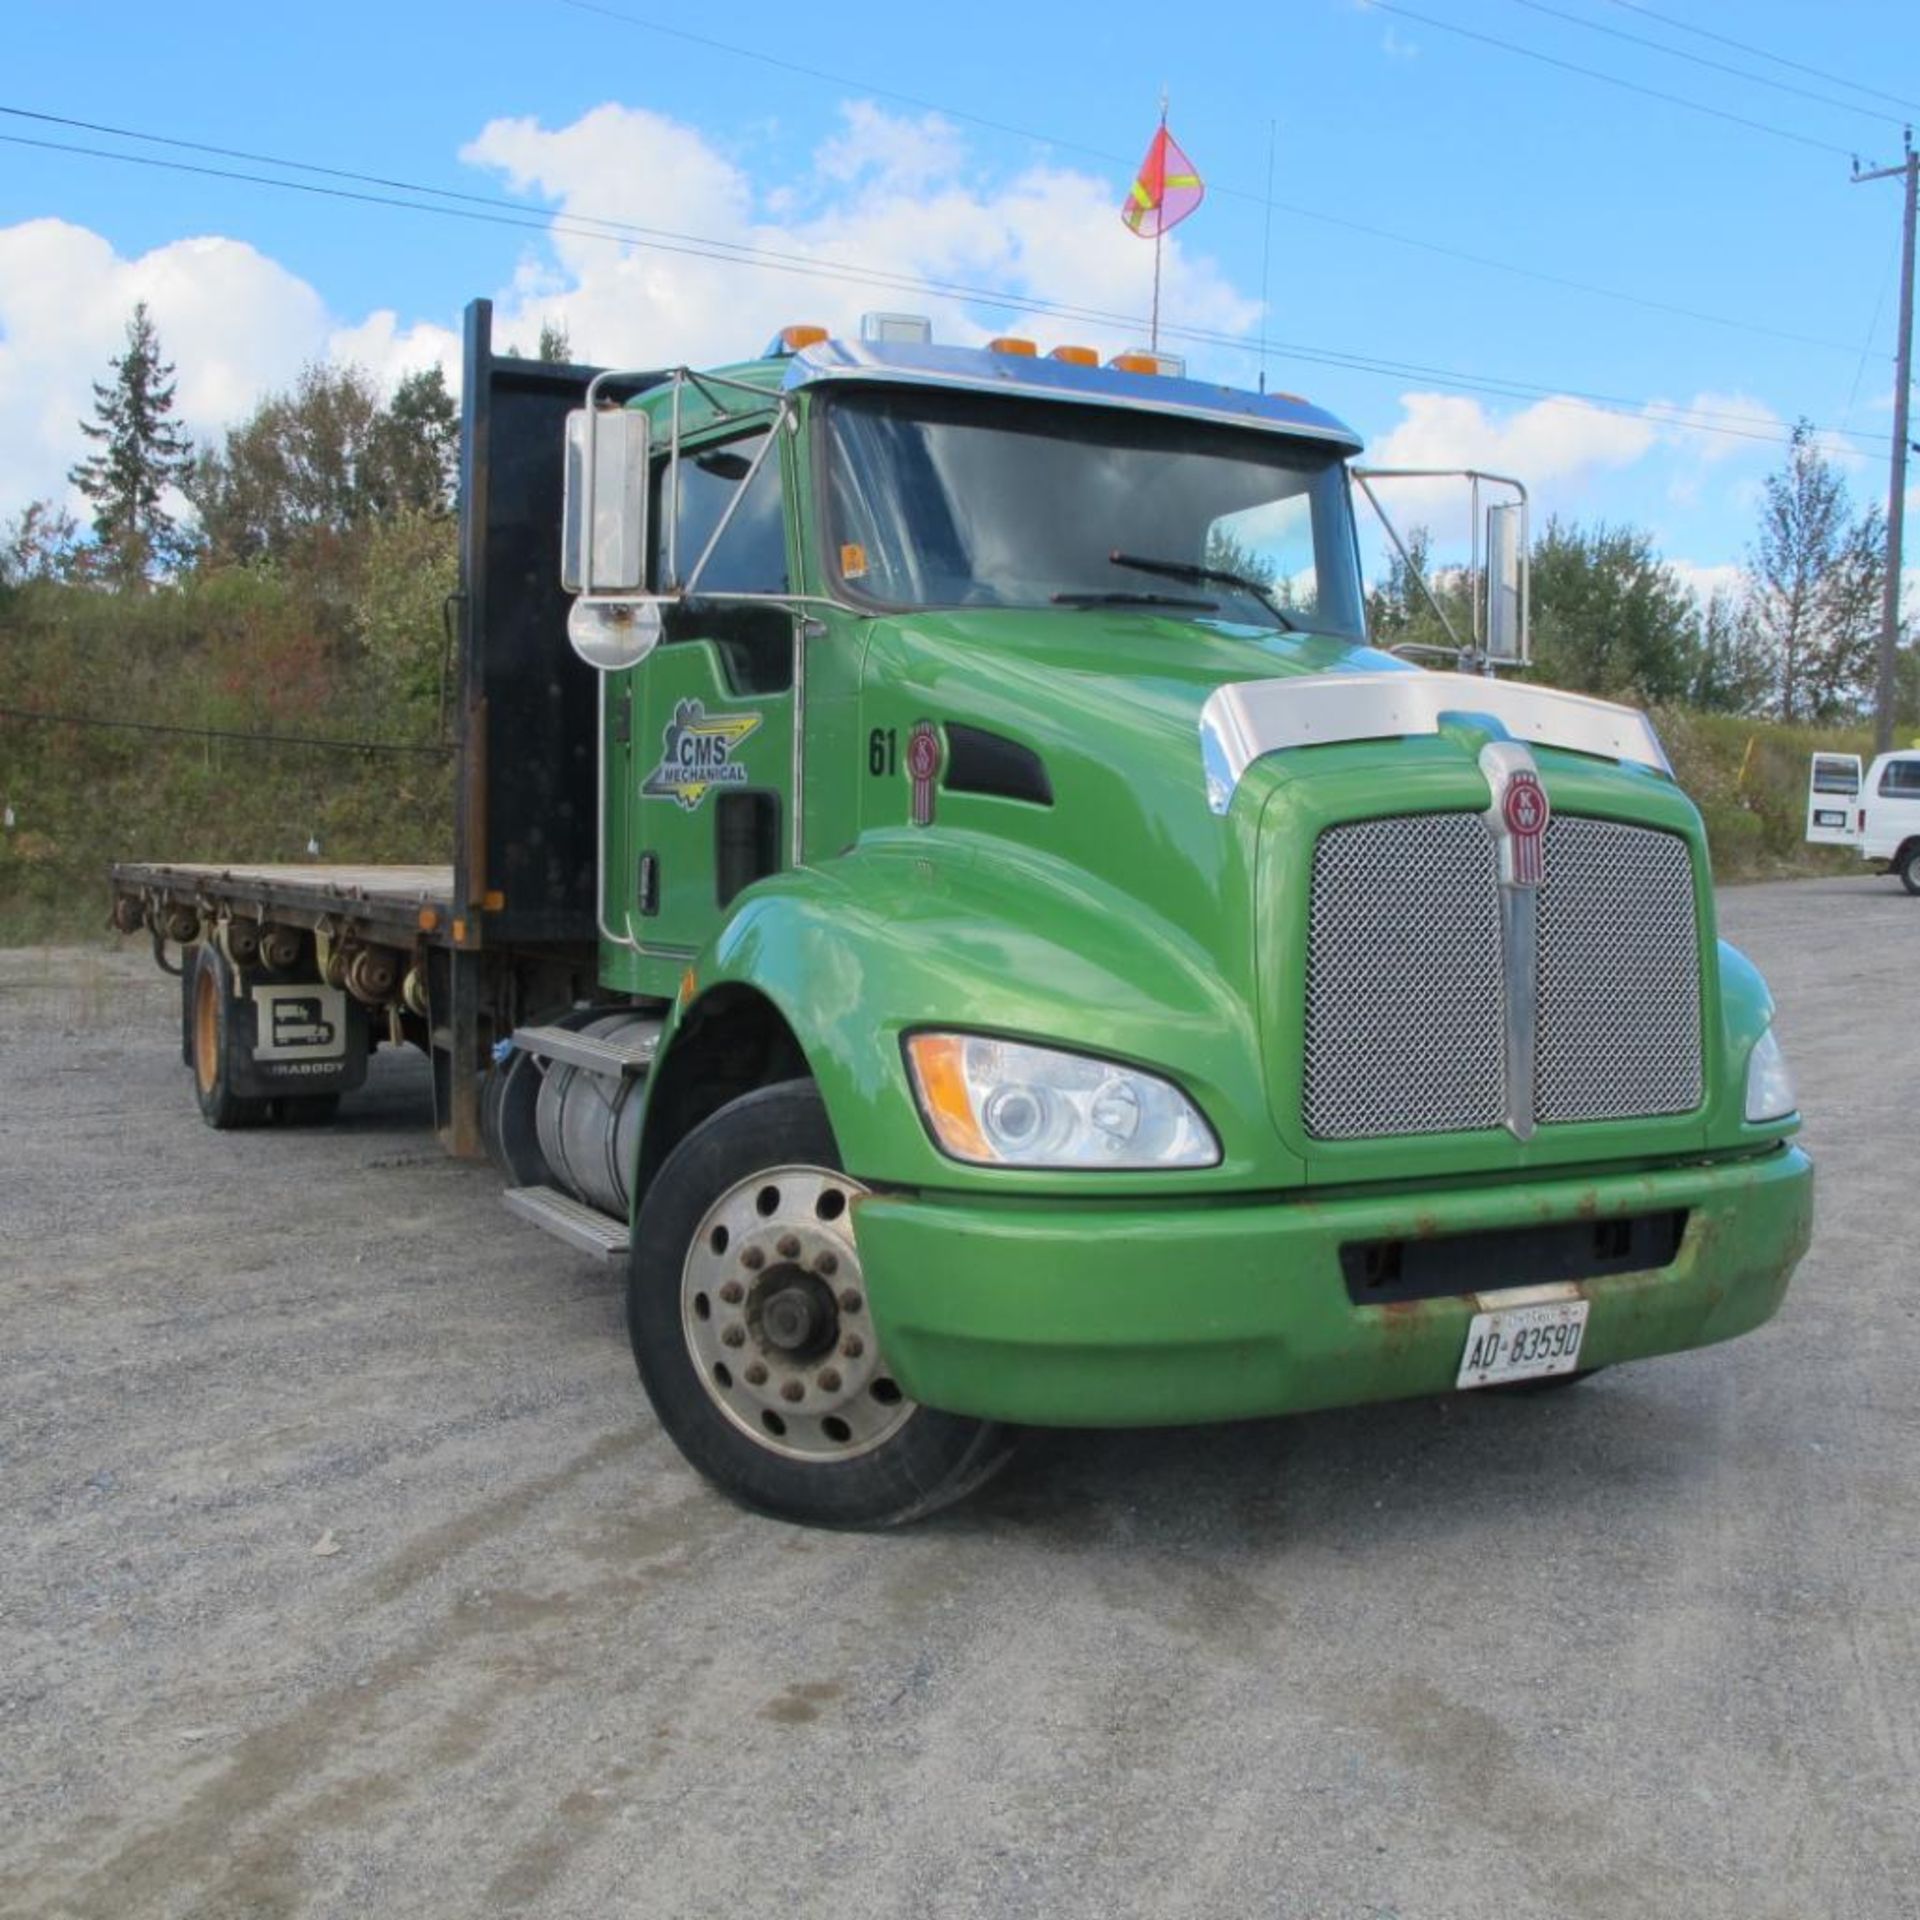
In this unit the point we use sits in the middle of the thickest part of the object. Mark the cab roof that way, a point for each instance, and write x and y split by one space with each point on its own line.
913 363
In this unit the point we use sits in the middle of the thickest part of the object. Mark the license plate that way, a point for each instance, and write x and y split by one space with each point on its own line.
1523 1343
1825 819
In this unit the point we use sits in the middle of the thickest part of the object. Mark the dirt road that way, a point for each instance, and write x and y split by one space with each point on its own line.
346 1573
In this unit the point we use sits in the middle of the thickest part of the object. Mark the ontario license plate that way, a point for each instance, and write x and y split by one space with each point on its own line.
1824 819
1523 1343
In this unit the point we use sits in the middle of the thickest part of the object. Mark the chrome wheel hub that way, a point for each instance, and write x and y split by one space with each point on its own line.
774 1307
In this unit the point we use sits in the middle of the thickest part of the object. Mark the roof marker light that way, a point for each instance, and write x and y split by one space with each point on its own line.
1141 361
794 339
1013 344
1076 356
896 329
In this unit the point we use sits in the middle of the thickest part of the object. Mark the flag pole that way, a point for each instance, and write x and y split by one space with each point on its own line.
1159 234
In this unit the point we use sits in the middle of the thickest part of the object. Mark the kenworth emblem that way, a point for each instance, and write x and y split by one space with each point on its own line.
696 754
923 766
1524 807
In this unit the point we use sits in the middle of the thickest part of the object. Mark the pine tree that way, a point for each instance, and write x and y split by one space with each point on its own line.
142 453
555 347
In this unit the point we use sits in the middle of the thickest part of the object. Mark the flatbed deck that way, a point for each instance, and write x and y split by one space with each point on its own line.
393 900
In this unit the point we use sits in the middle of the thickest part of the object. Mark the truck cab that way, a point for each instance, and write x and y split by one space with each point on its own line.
1168 1005
947 893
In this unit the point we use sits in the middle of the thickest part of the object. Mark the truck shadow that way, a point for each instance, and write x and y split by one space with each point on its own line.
1608 1446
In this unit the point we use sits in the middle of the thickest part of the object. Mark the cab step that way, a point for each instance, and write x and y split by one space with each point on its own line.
571 1220
627 1056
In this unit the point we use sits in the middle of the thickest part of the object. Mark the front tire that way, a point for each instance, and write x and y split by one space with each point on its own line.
746 1305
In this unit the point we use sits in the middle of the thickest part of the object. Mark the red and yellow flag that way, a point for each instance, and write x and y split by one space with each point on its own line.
1167 190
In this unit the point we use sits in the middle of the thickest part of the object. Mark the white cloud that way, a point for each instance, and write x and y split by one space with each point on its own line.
1704 581
234 323
887 194
1552 447
1718 426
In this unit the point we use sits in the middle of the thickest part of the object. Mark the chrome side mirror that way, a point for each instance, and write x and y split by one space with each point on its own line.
603 546
1507 637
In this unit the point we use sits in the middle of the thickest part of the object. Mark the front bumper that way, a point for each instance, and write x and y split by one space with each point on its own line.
1092 1313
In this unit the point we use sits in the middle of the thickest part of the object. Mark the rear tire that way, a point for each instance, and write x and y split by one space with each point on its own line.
747 1310
211 1047
1908 866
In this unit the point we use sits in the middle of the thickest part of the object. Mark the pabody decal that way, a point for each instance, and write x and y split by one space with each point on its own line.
923 768
696 754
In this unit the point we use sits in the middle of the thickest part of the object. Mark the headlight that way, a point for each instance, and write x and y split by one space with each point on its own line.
997 1103
1769 1083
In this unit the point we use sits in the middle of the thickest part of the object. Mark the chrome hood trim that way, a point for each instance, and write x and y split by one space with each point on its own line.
1250 718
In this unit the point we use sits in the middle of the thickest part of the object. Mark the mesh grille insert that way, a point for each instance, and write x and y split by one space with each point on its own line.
1405 1017
1619 1032
1405 1014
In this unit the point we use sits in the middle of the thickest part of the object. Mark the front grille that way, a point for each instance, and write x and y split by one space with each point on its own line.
1619 1033
1406 979
1405 1004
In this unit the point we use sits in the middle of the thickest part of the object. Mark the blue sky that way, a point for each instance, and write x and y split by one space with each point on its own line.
1378 120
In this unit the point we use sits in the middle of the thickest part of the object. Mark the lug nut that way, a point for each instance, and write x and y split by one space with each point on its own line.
756 1375
850 1301
734 1336
733 1293
793 1390
753 1259
829 1379
828 1264
789 1247
852 1347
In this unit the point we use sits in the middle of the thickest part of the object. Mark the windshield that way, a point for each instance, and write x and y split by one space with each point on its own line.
963 500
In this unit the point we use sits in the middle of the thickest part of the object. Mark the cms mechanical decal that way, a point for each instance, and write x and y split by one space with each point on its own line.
696 754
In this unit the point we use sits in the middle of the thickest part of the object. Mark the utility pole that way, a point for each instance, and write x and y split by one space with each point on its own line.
1883 699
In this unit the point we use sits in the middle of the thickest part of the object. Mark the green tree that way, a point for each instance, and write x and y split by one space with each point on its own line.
413 450
41 542
1609 616
555 347
1400 615
143 453
1813 587
290 483
1730 673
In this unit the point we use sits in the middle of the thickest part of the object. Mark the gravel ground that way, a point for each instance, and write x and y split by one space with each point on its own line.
348 1574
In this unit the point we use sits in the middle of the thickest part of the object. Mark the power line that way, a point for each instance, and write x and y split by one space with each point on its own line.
627 227
1760 53
1222 190
1701 60
217 733
733 253
1612 79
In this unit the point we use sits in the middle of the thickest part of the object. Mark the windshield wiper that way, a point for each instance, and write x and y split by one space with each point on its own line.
1183 601
1218 576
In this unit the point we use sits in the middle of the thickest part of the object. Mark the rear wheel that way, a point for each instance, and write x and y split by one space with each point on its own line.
212 1048
1908 866
754 1338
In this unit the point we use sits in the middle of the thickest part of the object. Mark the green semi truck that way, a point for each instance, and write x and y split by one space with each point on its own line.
945 891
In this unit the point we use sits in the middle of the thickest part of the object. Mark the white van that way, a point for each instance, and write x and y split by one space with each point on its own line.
1879 814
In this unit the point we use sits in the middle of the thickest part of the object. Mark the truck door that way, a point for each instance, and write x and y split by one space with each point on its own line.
1833 800
711 788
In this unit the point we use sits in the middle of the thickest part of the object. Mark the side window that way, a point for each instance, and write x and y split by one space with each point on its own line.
1901 780
752 557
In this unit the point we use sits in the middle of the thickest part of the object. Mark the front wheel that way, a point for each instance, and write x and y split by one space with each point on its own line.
747 1308
1908 867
